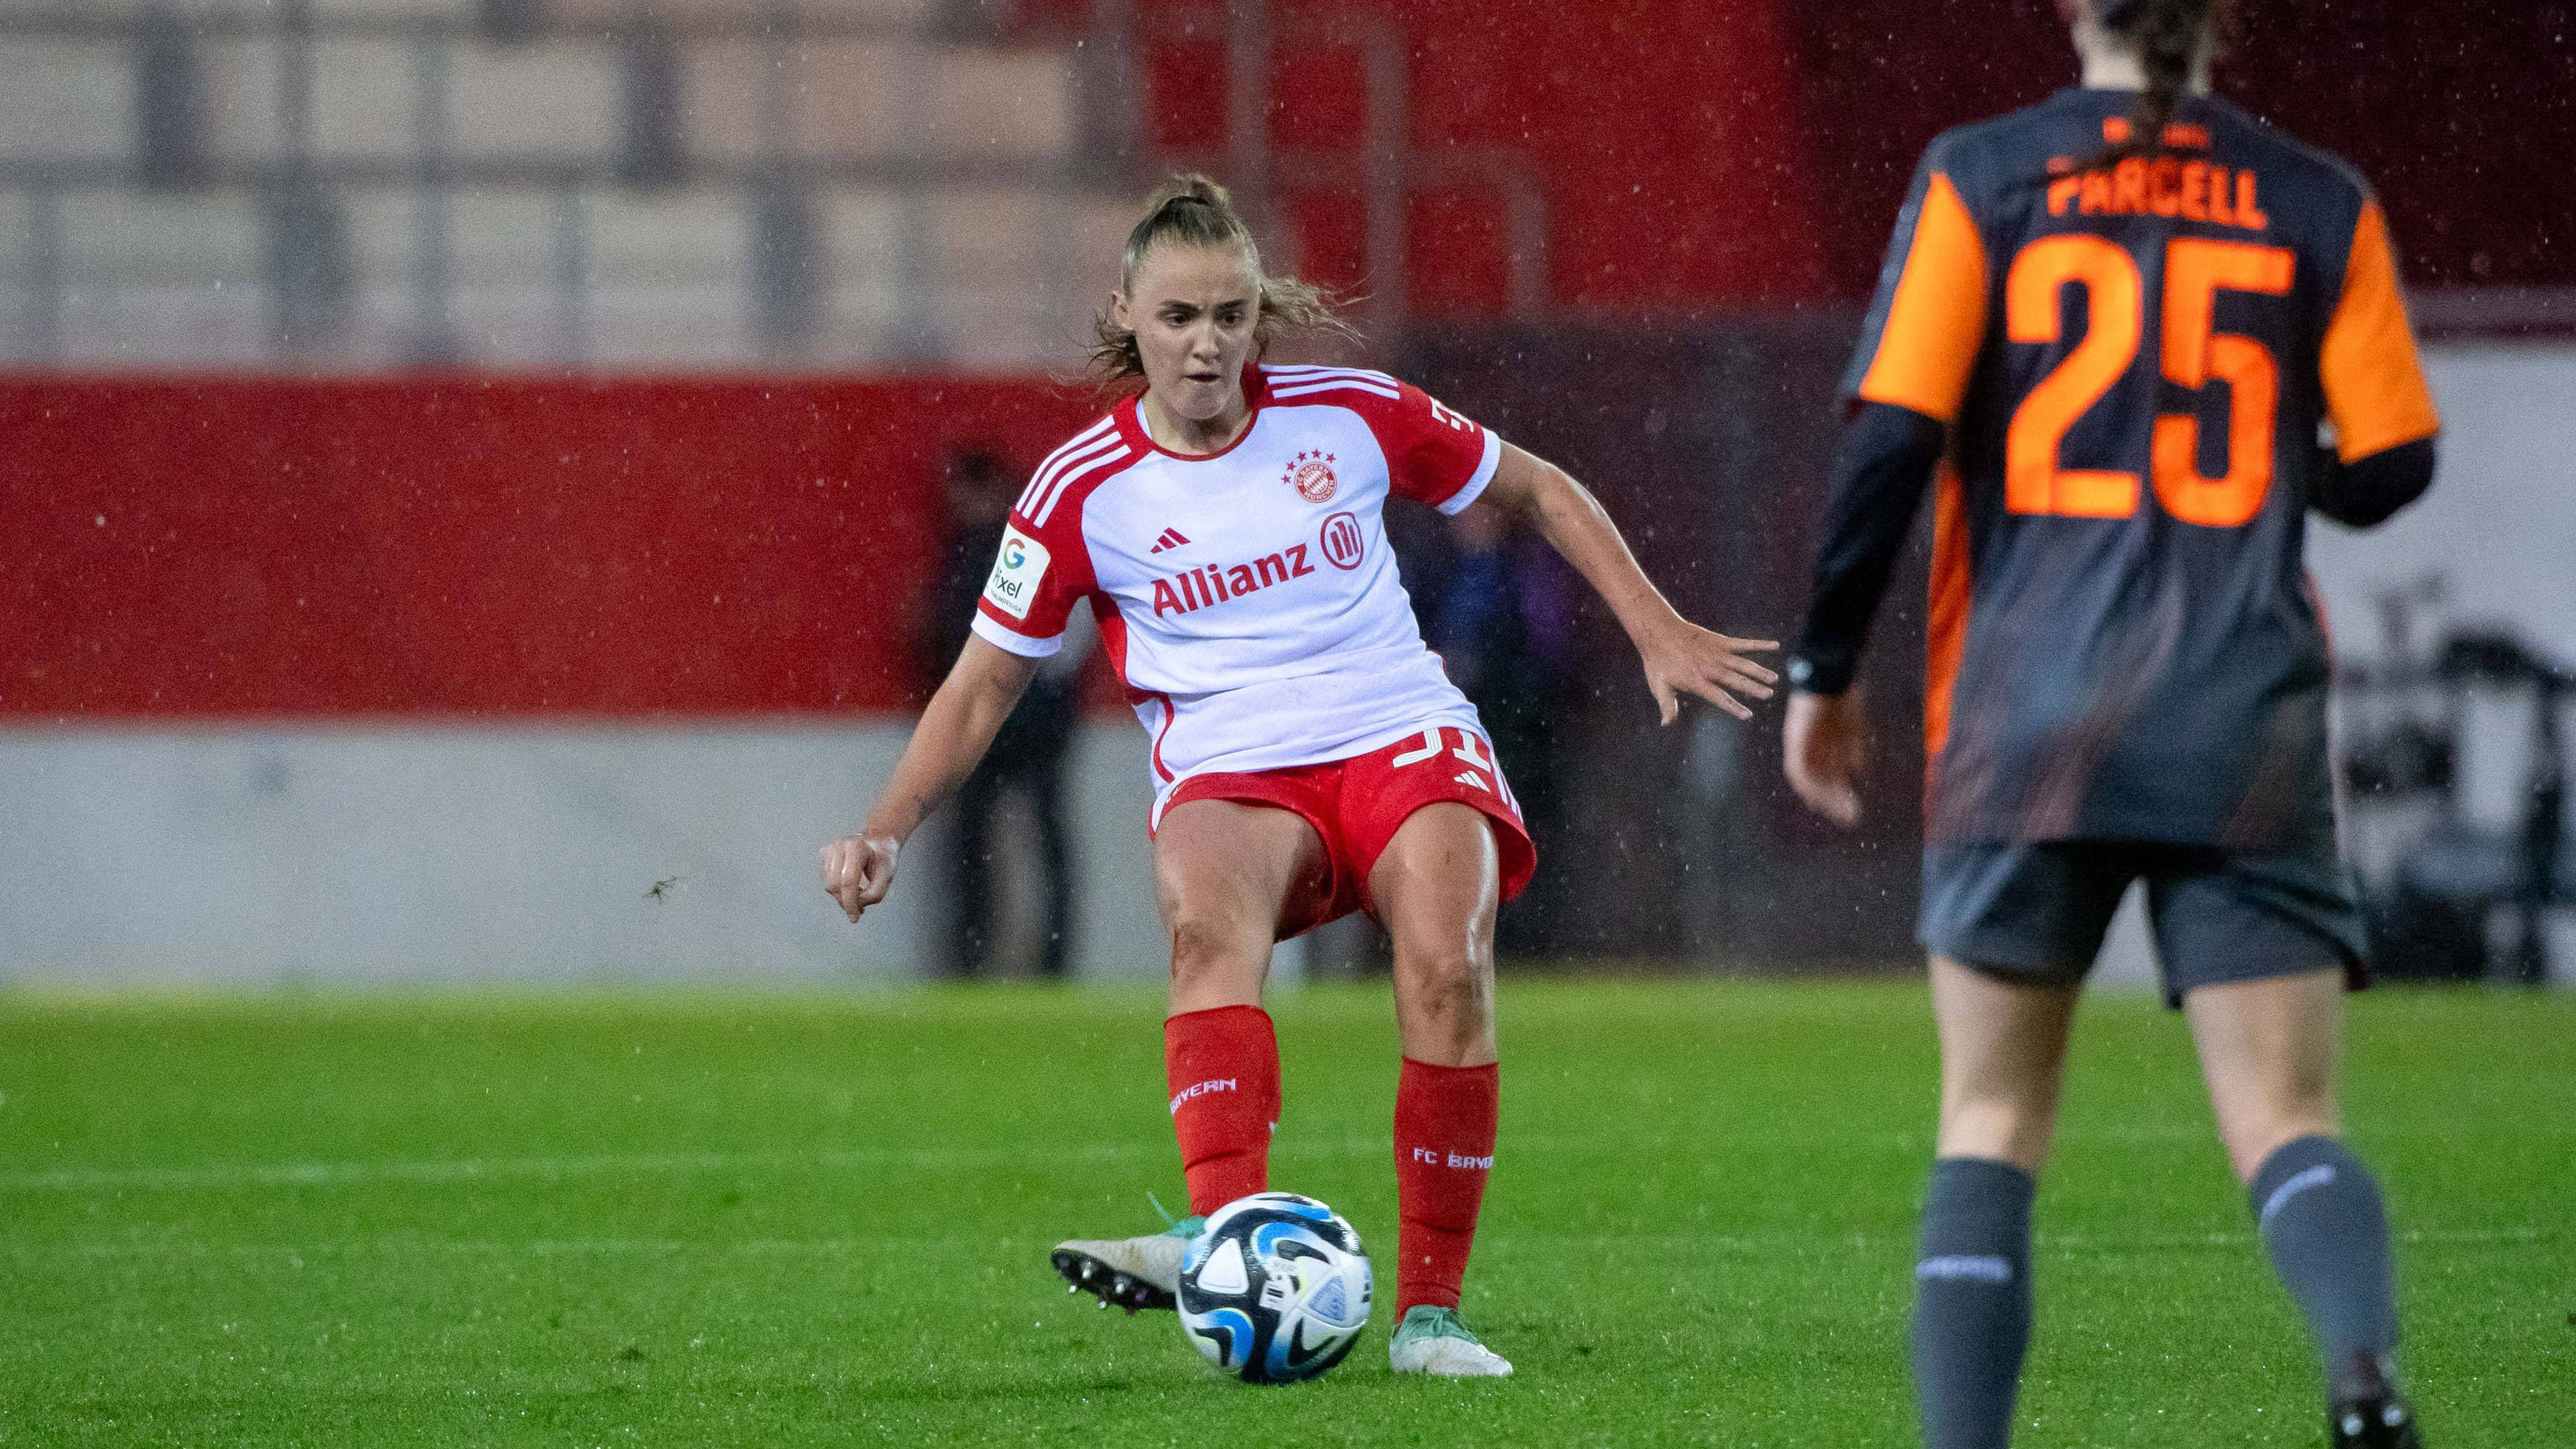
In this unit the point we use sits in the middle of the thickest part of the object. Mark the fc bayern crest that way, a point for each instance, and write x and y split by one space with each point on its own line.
1311 474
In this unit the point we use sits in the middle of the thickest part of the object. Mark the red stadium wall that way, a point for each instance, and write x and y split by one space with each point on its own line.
1700 155
1665 136
463 547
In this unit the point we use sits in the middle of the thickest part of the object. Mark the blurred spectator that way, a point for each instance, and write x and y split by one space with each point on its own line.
1028 754
1502 621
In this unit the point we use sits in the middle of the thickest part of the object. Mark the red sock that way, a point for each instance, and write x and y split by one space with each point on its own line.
1223 1066
1444 1145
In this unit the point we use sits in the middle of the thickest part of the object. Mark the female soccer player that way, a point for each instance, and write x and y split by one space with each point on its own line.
1309 757
2112 323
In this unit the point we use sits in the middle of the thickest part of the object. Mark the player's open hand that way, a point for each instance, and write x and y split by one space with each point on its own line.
1821 753
858 870
1687 659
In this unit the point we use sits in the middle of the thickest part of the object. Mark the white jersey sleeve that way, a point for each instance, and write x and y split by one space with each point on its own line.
1434 455
1044 566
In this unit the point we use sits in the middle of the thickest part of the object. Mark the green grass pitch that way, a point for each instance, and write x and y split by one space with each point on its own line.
807 1219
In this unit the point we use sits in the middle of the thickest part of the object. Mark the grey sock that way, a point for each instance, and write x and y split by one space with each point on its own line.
1972 1302
2320 1217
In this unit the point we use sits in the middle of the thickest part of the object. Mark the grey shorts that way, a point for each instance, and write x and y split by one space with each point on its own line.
2036 910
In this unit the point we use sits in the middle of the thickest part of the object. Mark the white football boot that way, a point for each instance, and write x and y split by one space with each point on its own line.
1132 1273
1432 1341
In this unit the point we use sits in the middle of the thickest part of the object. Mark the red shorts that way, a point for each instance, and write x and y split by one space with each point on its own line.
1357 805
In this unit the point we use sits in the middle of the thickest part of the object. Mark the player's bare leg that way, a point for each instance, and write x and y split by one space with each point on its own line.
2269 1051
1222 872
1436 887
2003 1056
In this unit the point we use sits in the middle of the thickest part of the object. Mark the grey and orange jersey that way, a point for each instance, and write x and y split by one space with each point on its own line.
2133 362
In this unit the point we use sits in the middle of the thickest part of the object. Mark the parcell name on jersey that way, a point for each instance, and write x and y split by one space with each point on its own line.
1017 572
2163 186
1198 588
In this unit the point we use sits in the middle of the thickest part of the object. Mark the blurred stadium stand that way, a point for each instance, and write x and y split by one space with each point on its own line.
386 183
599 184
466 456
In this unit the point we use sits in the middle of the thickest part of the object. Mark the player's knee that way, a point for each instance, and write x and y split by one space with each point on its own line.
2253 1134
2003 1126
1450 986
1210 946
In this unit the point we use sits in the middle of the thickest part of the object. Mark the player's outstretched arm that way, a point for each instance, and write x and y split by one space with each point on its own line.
1680 656
978 694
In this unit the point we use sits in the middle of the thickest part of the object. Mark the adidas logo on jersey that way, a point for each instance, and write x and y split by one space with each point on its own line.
1195 589
1470 777
1172 538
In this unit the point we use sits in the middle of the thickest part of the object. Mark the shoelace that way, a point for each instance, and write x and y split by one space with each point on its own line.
1189 1226
1443 1323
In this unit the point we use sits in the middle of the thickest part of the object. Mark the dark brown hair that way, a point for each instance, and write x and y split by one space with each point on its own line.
2168 35
1191 210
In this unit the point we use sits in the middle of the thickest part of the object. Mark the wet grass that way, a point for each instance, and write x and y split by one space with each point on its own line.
686 1218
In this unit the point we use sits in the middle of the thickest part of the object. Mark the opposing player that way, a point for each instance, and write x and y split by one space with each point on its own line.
2111 324
1309 757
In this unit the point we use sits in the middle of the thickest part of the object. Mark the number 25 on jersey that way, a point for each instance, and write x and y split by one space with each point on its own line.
2194 354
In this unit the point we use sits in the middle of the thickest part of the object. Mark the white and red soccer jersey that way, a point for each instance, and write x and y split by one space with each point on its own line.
1248 597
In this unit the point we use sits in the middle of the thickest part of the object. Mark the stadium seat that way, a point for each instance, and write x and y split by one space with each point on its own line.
503 238
1000 329
720 96
540 100
889 15
861 241
65 99
670 279
851 97
241 78
17 298
149 280
1018 104
365 100
993 236
459 9
908 13
383 314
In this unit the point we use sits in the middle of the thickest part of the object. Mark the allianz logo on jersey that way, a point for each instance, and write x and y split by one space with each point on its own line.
1191 590
1341 542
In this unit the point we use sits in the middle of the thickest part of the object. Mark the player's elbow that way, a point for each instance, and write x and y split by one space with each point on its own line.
986 683
1559 499
2368 491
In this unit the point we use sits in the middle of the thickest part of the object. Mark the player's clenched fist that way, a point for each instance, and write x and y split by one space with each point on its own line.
1821 747
857 870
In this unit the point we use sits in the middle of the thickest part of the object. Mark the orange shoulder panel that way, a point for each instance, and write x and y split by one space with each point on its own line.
2374 383
1937 320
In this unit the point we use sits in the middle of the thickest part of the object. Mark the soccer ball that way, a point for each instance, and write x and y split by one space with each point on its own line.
1276 1289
